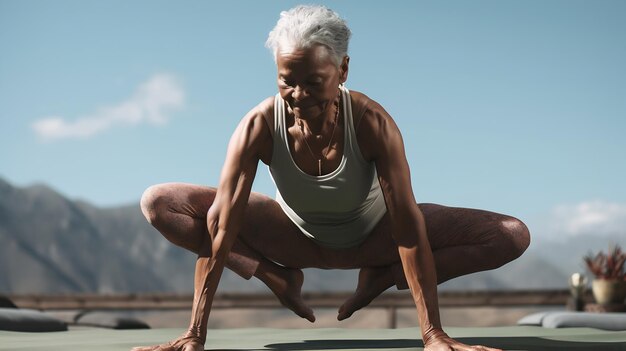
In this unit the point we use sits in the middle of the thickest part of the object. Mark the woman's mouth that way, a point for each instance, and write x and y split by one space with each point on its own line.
307 109
302 106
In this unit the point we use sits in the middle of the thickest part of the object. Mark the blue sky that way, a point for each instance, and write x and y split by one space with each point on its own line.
512 106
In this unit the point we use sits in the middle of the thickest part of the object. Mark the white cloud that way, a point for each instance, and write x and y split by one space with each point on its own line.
591 217
150 104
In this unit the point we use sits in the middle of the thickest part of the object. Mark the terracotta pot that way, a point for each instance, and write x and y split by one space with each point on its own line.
609 291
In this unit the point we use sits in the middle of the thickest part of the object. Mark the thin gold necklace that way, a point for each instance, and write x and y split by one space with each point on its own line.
324 154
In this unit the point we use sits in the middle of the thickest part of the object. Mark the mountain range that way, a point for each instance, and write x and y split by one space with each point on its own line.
50 244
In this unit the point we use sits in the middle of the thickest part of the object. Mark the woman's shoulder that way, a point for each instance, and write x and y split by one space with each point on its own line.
259 121
257 130
366 109
370 123
263 111
266 107
359 100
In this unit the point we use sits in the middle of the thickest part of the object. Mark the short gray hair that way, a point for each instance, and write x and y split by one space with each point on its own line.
306 25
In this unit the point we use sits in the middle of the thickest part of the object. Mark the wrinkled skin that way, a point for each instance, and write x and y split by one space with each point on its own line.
414 246
183 343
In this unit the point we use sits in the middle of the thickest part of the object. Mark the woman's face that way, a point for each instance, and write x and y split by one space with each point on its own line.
308 80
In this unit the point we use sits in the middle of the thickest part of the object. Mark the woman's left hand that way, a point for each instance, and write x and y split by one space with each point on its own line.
445 343
187 342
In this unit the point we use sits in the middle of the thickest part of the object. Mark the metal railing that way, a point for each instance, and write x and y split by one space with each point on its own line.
389 301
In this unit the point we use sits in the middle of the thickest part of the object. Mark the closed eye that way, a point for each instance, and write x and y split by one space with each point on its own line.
286 82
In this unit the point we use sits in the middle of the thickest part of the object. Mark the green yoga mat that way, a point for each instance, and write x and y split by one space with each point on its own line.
257 339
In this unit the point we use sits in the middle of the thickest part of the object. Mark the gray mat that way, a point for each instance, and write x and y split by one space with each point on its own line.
605 321
259 339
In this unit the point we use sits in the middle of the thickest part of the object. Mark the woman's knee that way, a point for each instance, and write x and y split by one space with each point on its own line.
516 237
153 201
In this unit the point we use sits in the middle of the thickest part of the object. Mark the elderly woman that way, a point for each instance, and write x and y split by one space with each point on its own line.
344 197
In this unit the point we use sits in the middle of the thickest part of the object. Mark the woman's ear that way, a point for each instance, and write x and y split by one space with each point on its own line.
344 69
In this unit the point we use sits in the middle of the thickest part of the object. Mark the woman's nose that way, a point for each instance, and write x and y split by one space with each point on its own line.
298 93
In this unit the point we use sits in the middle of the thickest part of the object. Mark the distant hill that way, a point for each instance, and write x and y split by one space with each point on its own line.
50 244
55 245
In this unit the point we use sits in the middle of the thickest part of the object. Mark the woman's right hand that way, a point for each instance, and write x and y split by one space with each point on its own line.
184 343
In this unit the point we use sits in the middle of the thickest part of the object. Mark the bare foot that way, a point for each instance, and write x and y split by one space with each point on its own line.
372 282
286 284
184 343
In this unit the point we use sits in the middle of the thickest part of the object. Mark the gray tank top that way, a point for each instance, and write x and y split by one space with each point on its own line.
336 210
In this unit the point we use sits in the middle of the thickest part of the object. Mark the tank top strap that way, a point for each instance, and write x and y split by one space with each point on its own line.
279 116
352 143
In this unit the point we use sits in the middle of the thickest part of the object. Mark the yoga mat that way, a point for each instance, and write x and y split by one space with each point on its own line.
257 339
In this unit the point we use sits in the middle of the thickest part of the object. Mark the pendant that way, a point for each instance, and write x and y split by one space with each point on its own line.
319 166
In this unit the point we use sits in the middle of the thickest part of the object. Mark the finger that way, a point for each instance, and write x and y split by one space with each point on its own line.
193 346
463 347
143 348
484 348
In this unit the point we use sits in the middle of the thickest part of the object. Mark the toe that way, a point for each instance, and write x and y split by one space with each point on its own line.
300 308
342 316
345 311
308 315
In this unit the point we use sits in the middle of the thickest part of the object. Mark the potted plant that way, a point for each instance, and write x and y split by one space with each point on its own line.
609 285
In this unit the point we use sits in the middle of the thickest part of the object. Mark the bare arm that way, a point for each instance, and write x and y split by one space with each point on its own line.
409 229
250 143
386 149
226 215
